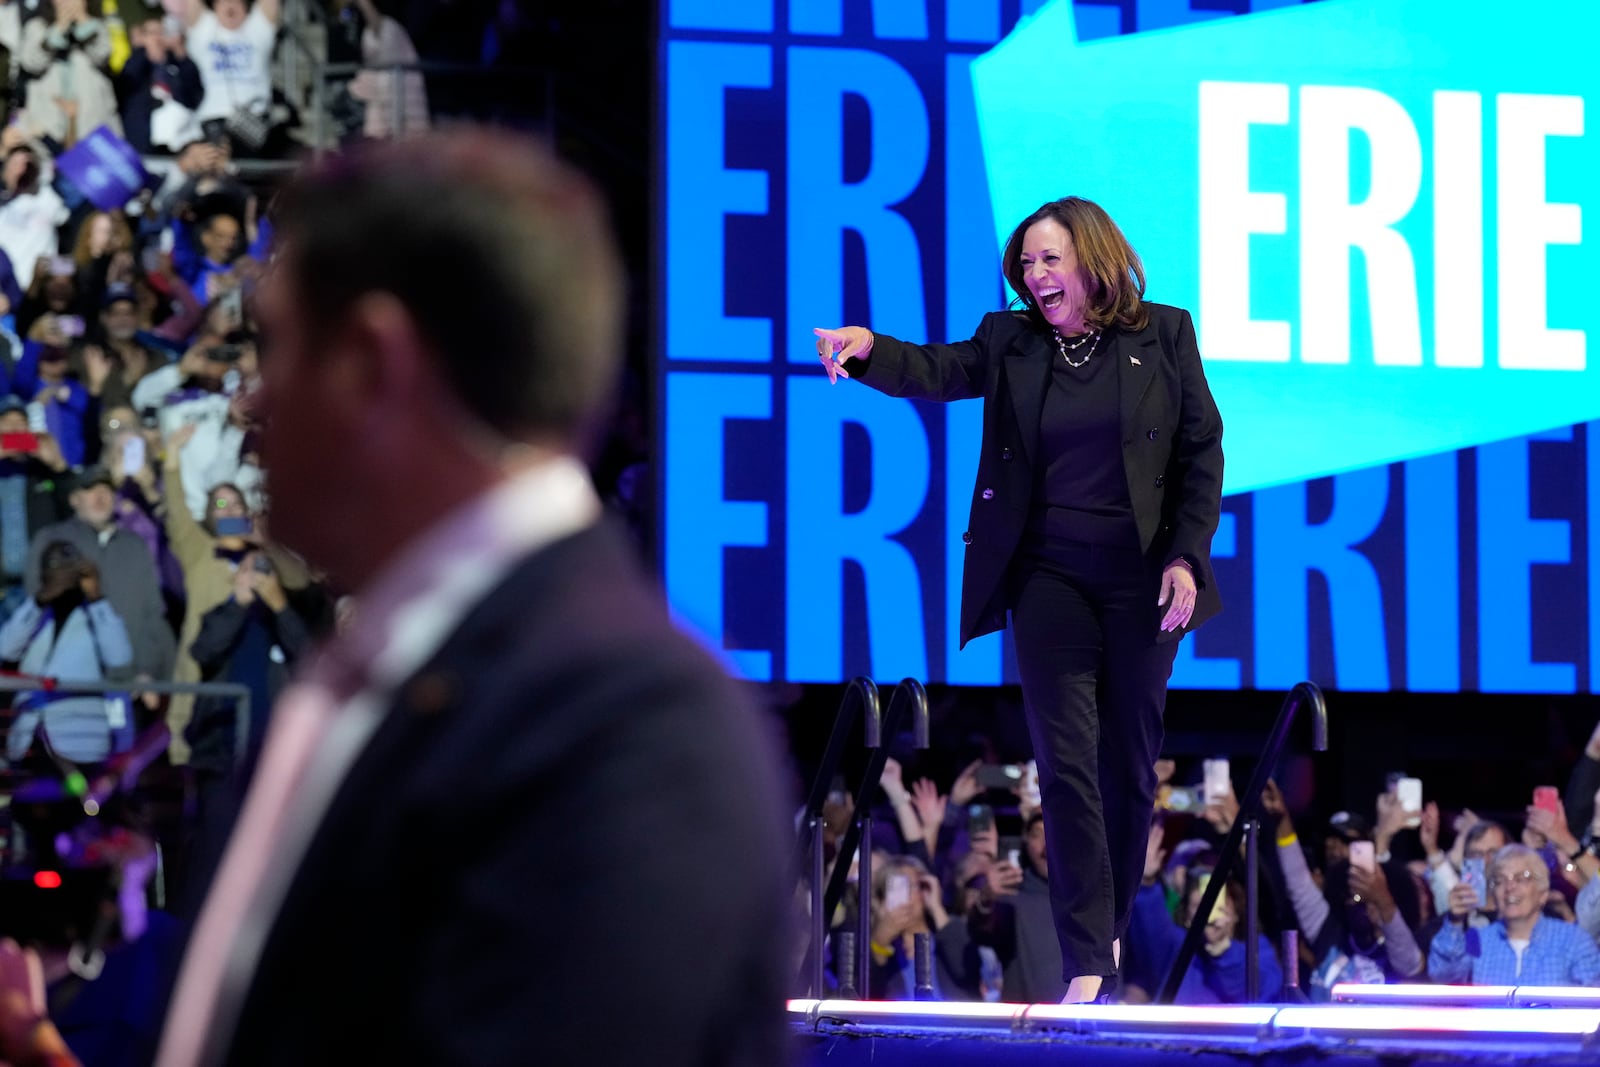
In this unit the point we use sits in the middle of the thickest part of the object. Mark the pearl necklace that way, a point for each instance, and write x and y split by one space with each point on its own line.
1063 347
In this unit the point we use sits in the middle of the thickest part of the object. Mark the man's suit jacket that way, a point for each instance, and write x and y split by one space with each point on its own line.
562 845
1171 441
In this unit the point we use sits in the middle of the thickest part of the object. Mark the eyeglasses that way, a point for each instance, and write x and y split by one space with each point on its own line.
1505 881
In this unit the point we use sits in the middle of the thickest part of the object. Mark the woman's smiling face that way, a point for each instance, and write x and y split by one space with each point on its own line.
1051 272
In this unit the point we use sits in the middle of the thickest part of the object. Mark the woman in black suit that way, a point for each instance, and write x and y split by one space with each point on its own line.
1099 488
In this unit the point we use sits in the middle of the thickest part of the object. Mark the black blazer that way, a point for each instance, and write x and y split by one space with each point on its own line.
1171 441
562 845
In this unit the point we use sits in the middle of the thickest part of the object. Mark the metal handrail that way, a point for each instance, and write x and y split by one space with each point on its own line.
1245 830
860 697
860 703
24 683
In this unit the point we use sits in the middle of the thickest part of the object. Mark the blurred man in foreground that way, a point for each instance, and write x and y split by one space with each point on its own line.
486 816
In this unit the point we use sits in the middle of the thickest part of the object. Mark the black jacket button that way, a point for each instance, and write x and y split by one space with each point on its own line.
1161 480
1005 453
1154 433
966 538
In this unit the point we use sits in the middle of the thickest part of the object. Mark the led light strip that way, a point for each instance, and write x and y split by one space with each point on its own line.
1437 1021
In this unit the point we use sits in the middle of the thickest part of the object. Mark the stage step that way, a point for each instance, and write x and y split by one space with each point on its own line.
842 1033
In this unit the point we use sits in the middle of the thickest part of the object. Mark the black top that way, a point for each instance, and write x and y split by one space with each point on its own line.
1080 489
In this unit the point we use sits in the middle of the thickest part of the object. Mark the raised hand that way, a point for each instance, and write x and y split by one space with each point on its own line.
1005 878
892 923
1223 813
1155 856
50 452
929 806
1371 884
1553 826
1463 900
97 368
966 785
89 581
1391 816
892 779
180 437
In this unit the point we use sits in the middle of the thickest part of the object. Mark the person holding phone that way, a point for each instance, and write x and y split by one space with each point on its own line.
67 630
1522 946
1098 492
1014 916
33 495
210 552
1359 923
1217 975
254 638
66 53
907 901
126 567
160 88
30 213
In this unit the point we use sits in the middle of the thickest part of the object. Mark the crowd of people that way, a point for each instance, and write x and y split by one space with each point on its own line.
165 73
134 542
1393 895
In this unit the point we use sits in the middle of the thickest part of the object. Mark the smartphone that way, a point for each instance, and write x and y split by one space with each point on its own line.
172 26
133 455
19 442
62 267
1011 849
999 775
1409 792
980 819
1362 855
1472 873
1218 780
71 326
233 526
1030 784
262 564
896 892
1547 797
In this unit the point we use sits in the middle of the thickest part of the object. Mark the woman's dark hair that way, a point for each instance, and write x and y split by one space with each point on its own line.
209 523
1111 268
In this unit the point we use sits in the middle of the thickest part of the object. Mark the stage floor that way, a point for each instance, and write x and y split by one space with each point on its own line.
1388 1024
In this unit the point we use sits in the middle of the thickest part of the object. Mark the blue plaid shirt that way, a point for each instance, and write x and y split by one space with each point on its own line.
1558 953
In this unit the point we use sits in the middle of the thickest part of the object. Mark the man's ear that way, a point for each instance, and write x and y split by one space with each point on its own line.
376 360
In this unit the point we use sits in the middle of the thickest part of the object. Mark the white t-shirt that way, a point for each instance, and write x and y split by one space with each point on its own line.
28 229
235 65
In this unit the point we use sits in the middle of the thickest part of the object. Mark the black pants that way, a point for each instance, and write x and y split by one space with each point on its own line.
1094 685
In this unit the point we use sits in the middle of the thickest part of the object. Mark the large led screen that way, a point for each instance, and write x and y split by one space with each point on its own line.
1375 209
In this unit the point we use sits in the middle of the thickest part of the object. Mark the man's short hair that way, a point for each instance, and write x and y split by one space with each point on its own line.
1516 852
1478 829
502 254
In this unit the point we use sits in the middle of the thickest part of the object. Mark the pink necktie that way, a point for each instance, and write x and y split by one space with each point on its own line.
300 719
